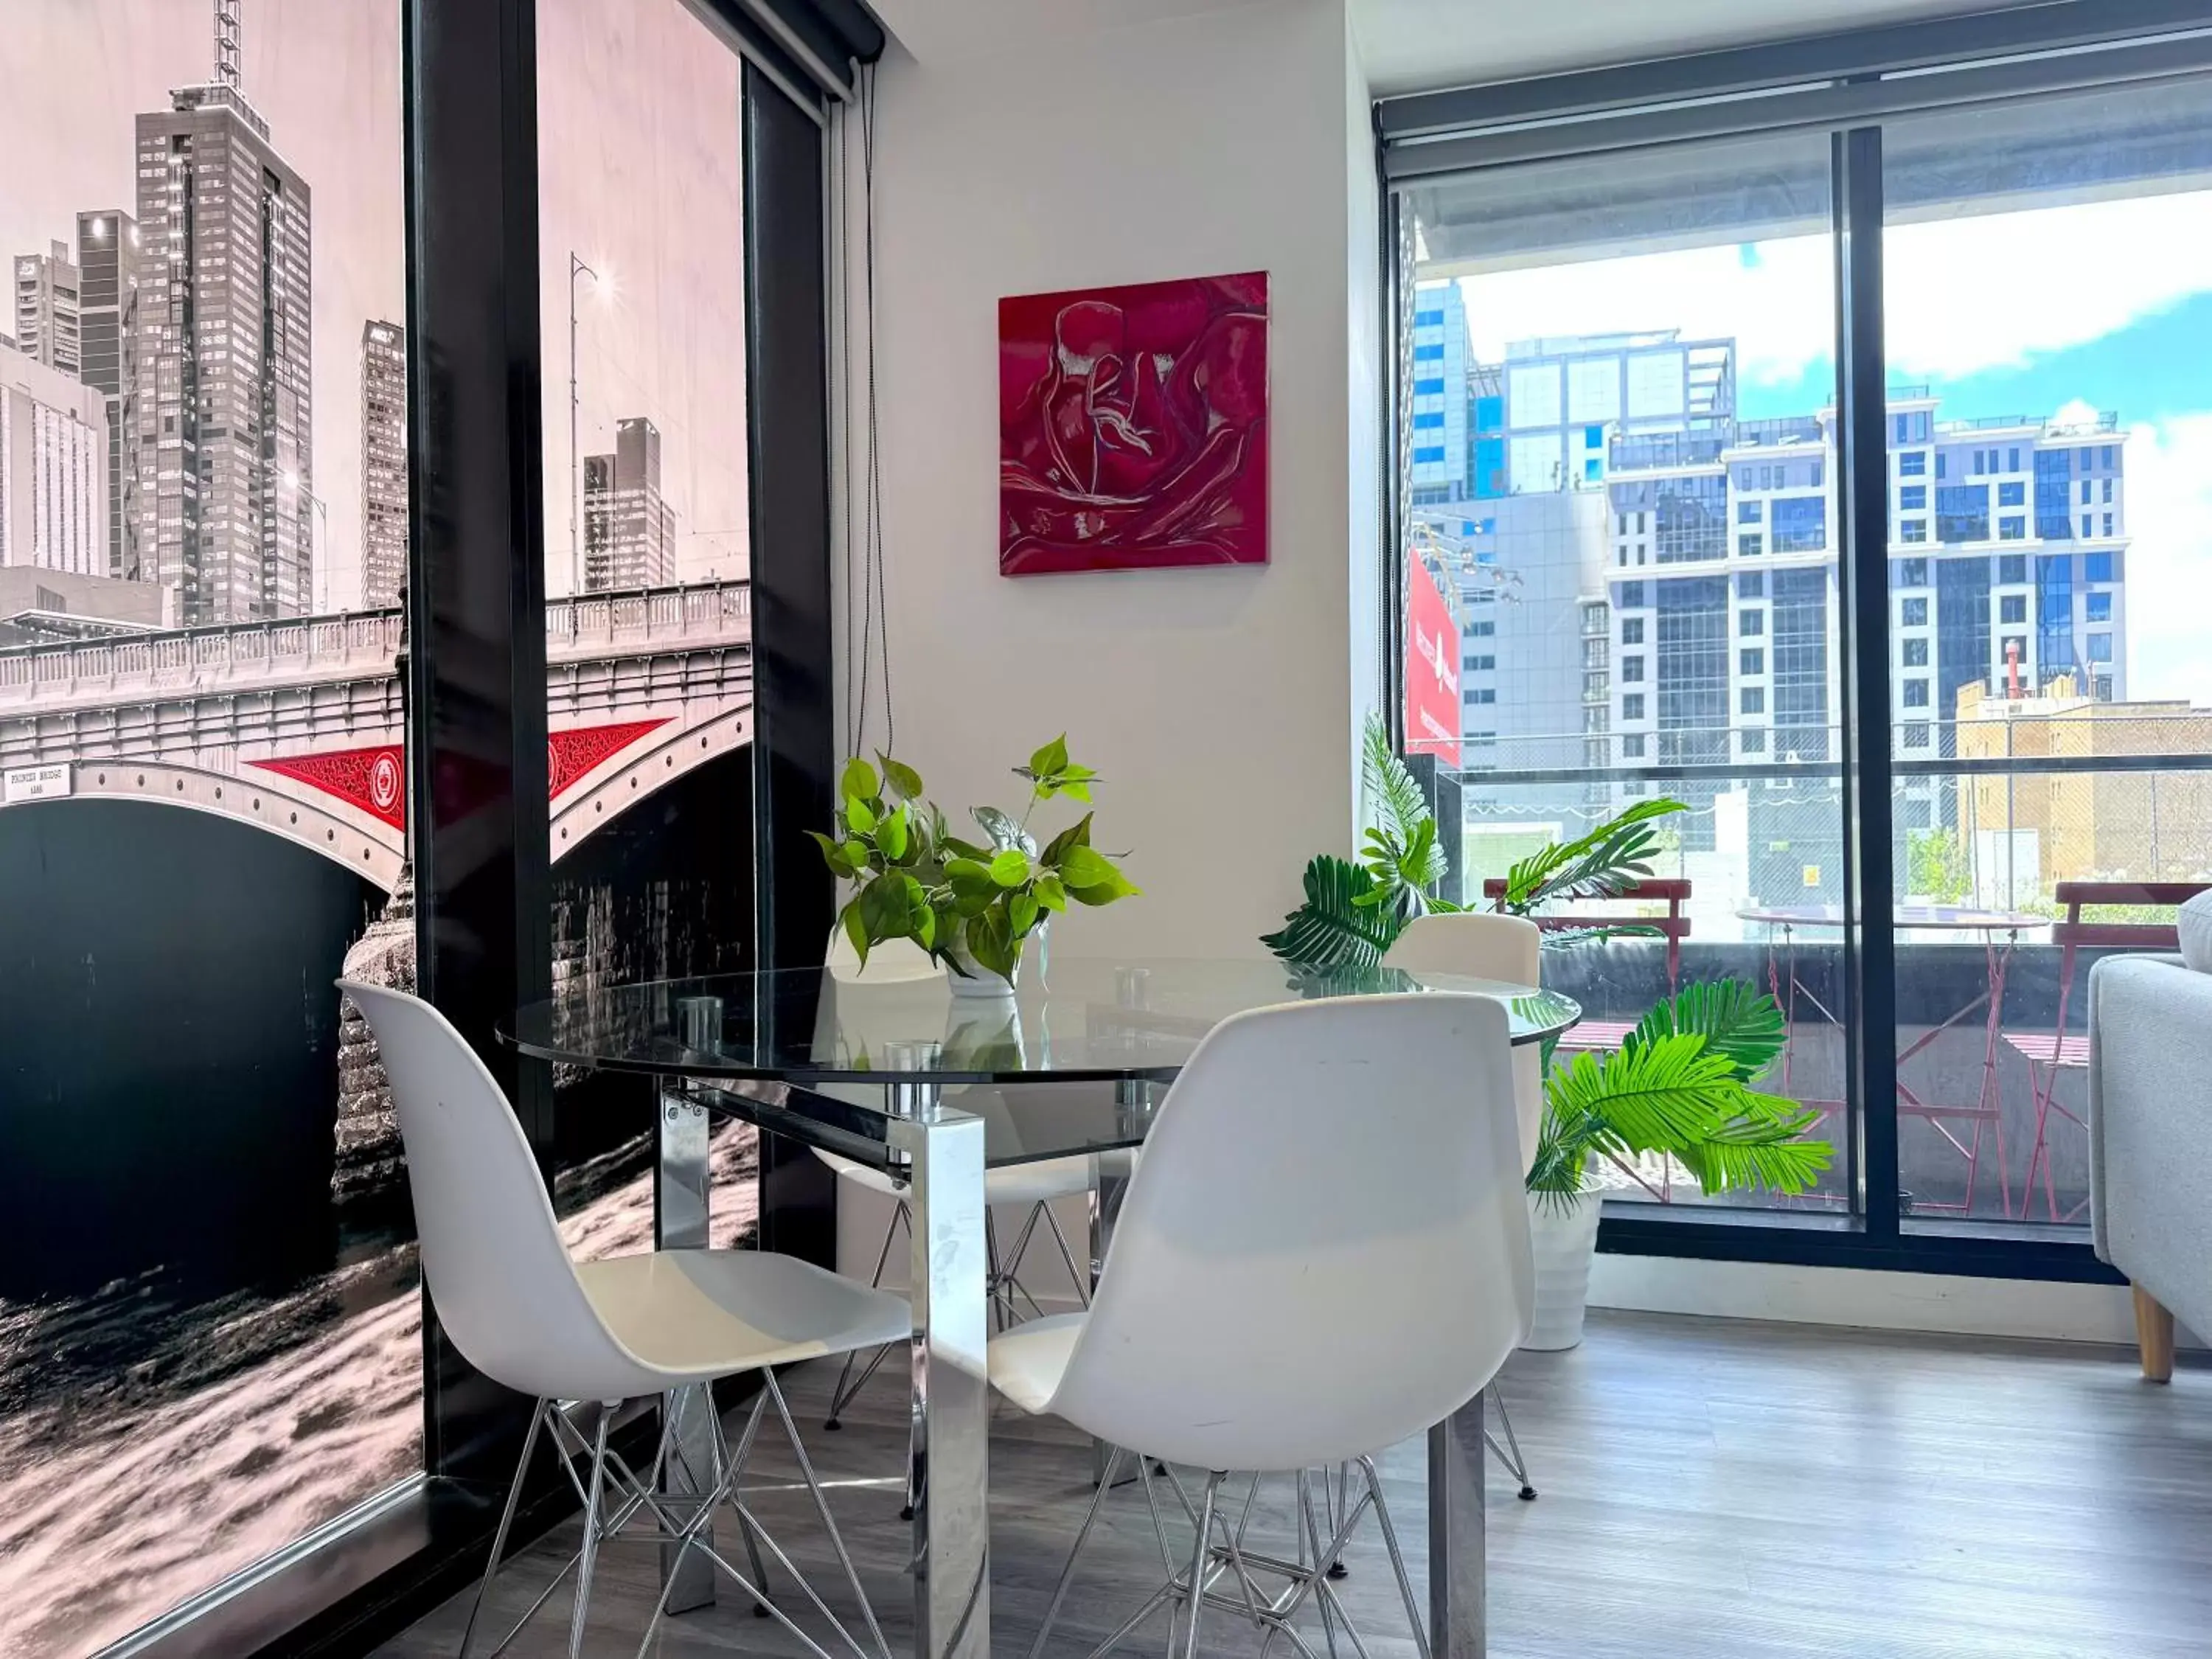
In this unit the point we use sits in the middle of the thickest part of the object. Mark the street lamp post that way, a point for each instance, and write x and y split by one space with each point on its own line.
576 268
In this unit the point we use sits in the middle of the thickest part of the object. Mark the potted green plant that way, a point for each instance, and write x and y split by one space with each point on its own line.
969 904
1681 1084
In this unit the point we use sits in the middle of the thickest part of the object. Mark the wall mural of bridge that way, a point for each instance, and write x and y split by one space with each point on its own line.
294 726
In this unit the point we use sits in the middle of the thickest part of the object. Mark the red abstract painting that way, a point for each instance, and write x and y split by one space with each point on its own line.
1132 427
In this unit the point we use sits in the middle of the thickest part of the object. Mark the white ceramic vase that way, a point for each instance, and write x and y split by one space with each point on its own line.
1565 1239
971 981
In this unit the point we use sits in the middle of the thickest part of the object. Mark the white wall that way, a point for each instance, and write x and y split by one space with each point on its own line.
1219 703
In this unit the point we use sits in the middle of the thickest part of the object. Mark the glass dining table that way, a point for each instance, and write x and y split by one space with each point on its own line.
899 1073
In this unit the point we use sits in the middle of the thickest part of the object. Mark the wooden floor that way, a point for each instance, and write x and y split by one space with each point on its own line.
1710 1489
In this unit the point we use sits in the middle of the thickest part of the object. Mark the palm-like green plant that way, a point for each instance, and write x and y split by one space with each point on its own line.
1354 911
1680 1086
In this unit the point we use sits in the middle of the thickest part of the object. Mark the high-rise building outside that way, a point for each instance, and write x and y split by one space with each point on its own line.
46 308
629 533
53 469
1439 400
383 462
220 378
107 247
1710 633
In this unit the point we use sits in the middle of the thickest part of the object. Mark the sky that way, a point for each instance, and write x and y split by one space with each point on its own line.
639 162
2083 308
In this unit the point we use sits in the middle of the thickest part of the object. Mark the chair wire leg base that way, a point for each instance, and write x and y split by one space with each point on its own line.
1220 1573
841 1395
1508 1453
613 1495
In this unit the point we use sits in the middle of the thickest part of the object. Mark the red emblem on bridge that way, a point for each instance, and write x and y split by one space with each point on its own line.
374 780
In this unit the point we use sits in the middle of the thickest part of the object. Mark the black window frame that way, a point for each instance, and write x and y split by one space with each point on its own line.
1845 84
474 677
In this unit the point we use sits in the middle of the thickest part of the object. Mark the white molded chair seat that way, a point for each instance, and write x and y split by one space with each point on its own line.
697 1316
1324 1251
529 1317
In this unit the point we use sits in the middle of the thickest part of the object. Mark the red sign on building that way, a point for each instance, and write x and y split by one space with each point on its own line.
1432 669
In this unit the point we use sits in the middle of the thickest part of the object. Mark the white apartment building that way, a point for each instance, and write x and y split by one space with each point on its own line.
53 469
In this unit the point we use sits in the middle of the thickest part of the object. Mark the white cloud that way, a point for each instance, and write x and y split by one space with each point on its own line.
2168 591
1962 295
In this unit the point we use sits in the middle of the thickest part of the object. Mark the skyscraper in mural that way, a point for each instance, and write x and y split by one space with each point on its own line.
629 533
46 316
53 469
107 246
219 378
383 462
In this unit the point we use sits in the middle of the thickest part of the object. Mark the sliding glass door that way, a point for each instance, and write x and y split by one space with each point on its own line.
1836 484
2048 306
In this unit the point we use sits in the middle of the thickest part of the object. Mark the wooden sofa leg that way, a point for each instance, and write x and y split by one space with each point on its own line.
2153 1337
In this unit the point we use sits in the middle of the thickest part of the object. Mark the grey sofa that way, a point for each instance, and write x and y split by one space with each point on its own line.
2150 1142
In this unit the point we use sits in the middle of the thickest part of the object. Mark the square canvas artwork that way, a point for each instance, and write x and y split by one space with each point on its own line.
1132 427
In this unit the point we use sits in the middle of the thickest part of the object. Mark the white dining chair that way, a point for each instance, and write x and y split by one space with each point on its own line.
1483 945
1324 1251
605 1332
1029 1189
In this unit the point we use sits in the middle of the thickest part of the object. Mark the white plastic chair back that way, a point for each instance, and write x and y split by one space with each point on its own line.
506 1291
1325 1249
1483 945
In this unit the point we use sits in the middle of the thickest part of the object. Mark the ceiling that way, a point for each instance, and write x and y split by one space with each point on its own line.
1412 44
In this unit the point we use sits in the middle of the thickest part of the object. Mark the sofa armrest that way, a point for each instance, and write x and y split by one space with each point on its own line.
2150 1127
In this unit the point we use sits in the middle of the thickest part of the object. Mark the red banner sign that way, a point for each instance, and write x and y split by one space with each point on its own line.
375 780
1431 668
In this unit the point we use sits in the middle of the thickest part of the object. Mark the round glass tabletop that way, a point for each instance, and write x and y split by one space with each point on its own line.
1085 1019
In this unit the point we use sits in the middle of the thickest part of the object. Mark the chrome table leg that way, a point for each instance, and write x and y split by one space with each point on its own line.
1110 1184
1458 1569
949 1450
687 1478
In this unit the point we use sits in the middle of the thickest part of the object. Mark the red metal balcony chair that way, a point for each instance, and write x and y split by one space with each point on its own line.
2049 1053
1604 1036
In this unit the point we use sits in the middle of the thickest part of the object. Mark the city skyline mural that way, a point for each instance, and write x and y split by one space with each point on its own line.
208 1288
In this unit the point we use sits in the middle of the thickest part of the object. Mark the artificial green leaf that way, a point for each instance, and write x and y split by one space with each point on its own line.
1331 931
858 780
918 918
1736 1019
1051 760
884 907
1076 835
833 854
1011 868
992 944
1114 886
1051 893
953 847
1021 913
903 780
1083 867
1077 790
892 834
971 885
859 817
1668 1095
1603 864
855 929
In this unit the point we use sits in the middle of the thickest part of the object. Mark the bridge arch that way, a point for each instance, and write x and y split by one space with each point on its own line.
270 802
691 738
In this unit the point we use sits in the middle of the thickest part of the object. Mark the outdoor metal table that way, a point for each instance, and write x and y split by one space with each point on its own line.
766 1047
1787 988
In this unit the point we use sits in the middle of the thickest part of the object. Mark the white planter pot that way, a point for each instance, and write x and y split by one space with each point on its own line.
1563 1239
977 982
